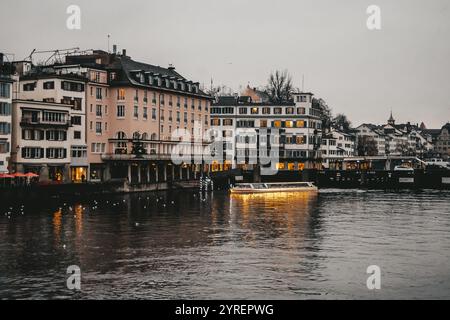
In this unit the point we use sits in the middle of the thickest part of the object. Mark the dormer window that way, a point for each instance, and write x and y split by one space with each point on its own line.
189 88
167 83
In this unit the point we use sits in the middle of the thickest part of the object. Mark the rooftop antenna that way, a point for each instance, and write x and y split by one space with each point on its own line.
108 42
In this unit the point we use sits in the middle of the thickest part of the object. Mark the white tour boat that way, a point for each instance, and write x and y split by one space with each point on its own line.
246 188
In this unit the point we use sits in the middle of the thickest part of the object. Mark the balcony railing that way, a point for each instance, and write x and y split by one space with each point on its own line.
39 121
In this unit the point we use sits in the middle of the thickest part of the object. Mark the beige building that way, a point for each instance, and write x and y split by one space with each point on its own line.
443 142
132 105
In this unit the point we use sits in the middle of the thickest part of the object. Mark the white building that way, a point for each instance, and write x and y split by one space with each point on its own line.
65 97
290 132
336 145
395 139
372 132
41 139
6 82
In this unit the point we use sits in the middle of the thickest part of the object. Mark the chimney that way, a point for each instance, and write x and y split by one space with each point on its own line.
124 52
171 67
114 48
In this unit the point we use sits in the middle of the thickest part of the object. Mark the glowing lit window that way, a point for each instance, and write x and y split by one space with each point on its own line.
277 124
300 124
280 166
289 124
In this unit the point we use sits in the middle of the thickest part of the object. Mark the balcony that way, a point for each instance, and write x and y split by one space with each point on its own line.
25 121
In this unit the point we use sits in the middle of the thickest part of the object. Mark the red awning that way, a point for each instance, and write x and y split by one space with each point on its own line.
5 175
19 175
31 175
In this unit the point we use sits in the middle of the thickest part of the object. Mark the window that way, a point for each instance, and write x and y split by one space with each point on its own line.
5 128
5 109
5 90
170 101
56 153
277 124
98 147
254 110
98 127
77 135
29 86
215 122
4 147
120 94
300 139
266 110
289 110
178 116
76 120
242 110
289 124
78 152
136 112
263 123
300 124
301 110
185 117
145 113
32 153
161 99
277 110
227 122
193 104
54 135
48 85
98 93
98 110
120 111
72 86
153 114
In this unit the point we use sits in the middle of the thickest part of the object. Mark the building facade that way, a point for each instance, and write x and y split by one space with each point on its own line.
285 136
65 120
6 82
41 140
337 145
443 142
135 115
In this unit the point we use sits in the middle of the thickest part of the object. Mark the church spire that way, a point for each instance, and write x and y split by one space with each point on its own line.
391 120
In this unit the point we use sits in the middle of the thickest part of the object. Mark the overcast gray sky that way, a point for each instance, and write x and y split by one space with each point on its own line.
405 66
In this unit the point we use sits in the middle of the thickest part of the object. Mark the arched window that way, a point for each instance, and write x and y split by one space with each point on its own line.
136 135
121 135
120 147
145 136
154 136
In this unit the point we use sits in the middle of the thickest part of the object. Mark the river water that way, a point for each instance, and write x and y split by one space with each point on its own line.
181 245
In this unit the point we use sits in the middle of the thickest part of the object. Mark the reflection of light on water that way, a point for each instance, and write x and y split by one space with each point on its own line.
57 220
284 212
78 219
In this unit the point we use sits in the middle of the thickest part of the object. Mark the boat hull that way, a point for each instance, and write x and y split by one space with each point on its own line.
272 190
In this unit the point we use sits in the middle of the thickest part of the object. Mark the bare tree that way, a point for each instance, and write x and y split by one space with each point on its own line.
325 112
367 146
341 122
280 88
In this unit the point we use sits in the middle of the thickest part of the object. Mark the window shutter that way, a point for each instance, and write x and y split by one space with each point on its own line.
47 154
23 152
65 153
